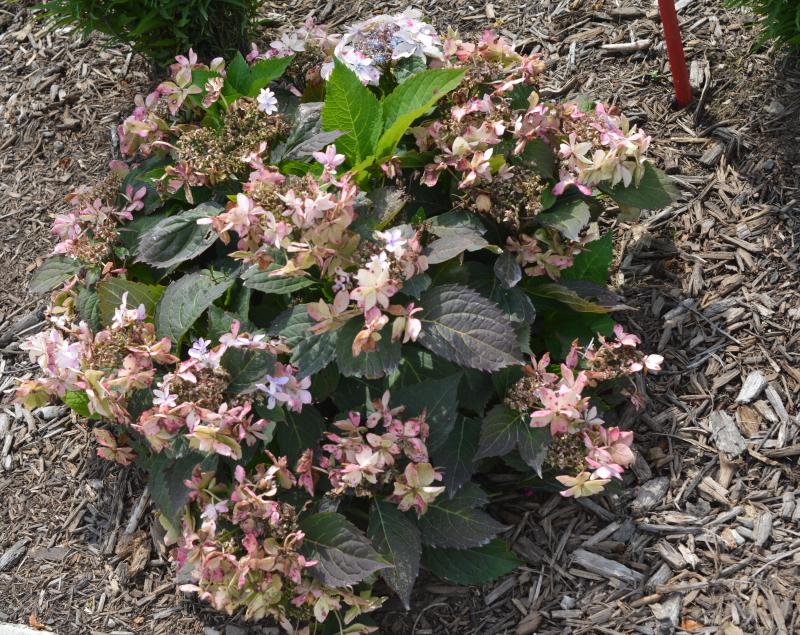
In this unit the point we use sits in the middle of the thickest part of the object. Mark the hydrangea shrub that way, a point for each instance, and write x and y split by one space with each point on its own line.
332 284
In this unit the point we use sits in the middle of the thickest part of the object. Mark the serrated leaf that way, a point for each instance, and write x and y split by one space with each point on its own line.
414 287
130 233
344 554
453 244
410 100
300 431
407 67
185 300
178 238
293 324
500 432
88 305
237 75
386 204
507 270
246 368
539 155
471 566
513 302
166 478
455 221
457 523
371 365
569 218
504 430
78 400
593 262
263 280
475 391
140 400
110 292
263 72
314 353
350 107
462 326
397 539
220 322
309 146
457 454
560 293
53 272
306 136
533 447
654 191
310 352
439 398
324 383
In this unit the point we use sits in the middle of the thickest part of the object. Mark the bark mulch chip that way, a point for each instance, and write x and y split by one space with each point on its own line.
704 538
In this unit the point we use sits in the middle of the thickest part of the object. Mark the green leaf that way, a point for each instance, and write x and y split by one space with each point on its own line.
568 217
539 155
504 430
654 191
520 95
78 400
314 353
110 292
560 293
407 67
507 270
310 352
453 244
324 383
179 238
185 300
344 554
300 431
439 398
130 234
471 566
412 99
220 322
262 280
350 107
455 221
593 262
475 390
88 305
237 75
371 365
414 287
53 272
246 368
462 326
293 325
456 455
560 328
397 539
305 137
263 72
513 302
457 522
166 477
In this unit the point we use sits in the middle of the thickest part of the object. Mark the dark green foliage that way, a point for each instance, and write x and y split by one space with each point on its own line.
780 19
161 29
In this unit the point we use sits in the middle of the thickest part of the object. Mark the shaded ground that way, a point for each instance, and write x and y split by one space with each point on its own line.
708 541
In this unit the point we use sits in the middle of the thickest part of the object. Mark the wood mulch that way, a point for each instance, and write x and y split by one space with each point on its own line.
705 538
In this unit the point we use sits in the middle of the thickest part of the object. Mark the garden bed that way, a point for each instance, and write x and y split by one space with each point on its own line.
729 246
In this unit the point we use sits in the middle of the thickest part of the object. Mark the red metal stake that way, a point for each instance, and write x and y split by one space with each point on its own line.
677 60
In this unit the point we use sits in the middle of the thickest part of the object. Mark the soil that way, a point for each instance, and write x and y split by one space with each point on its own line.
705 537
